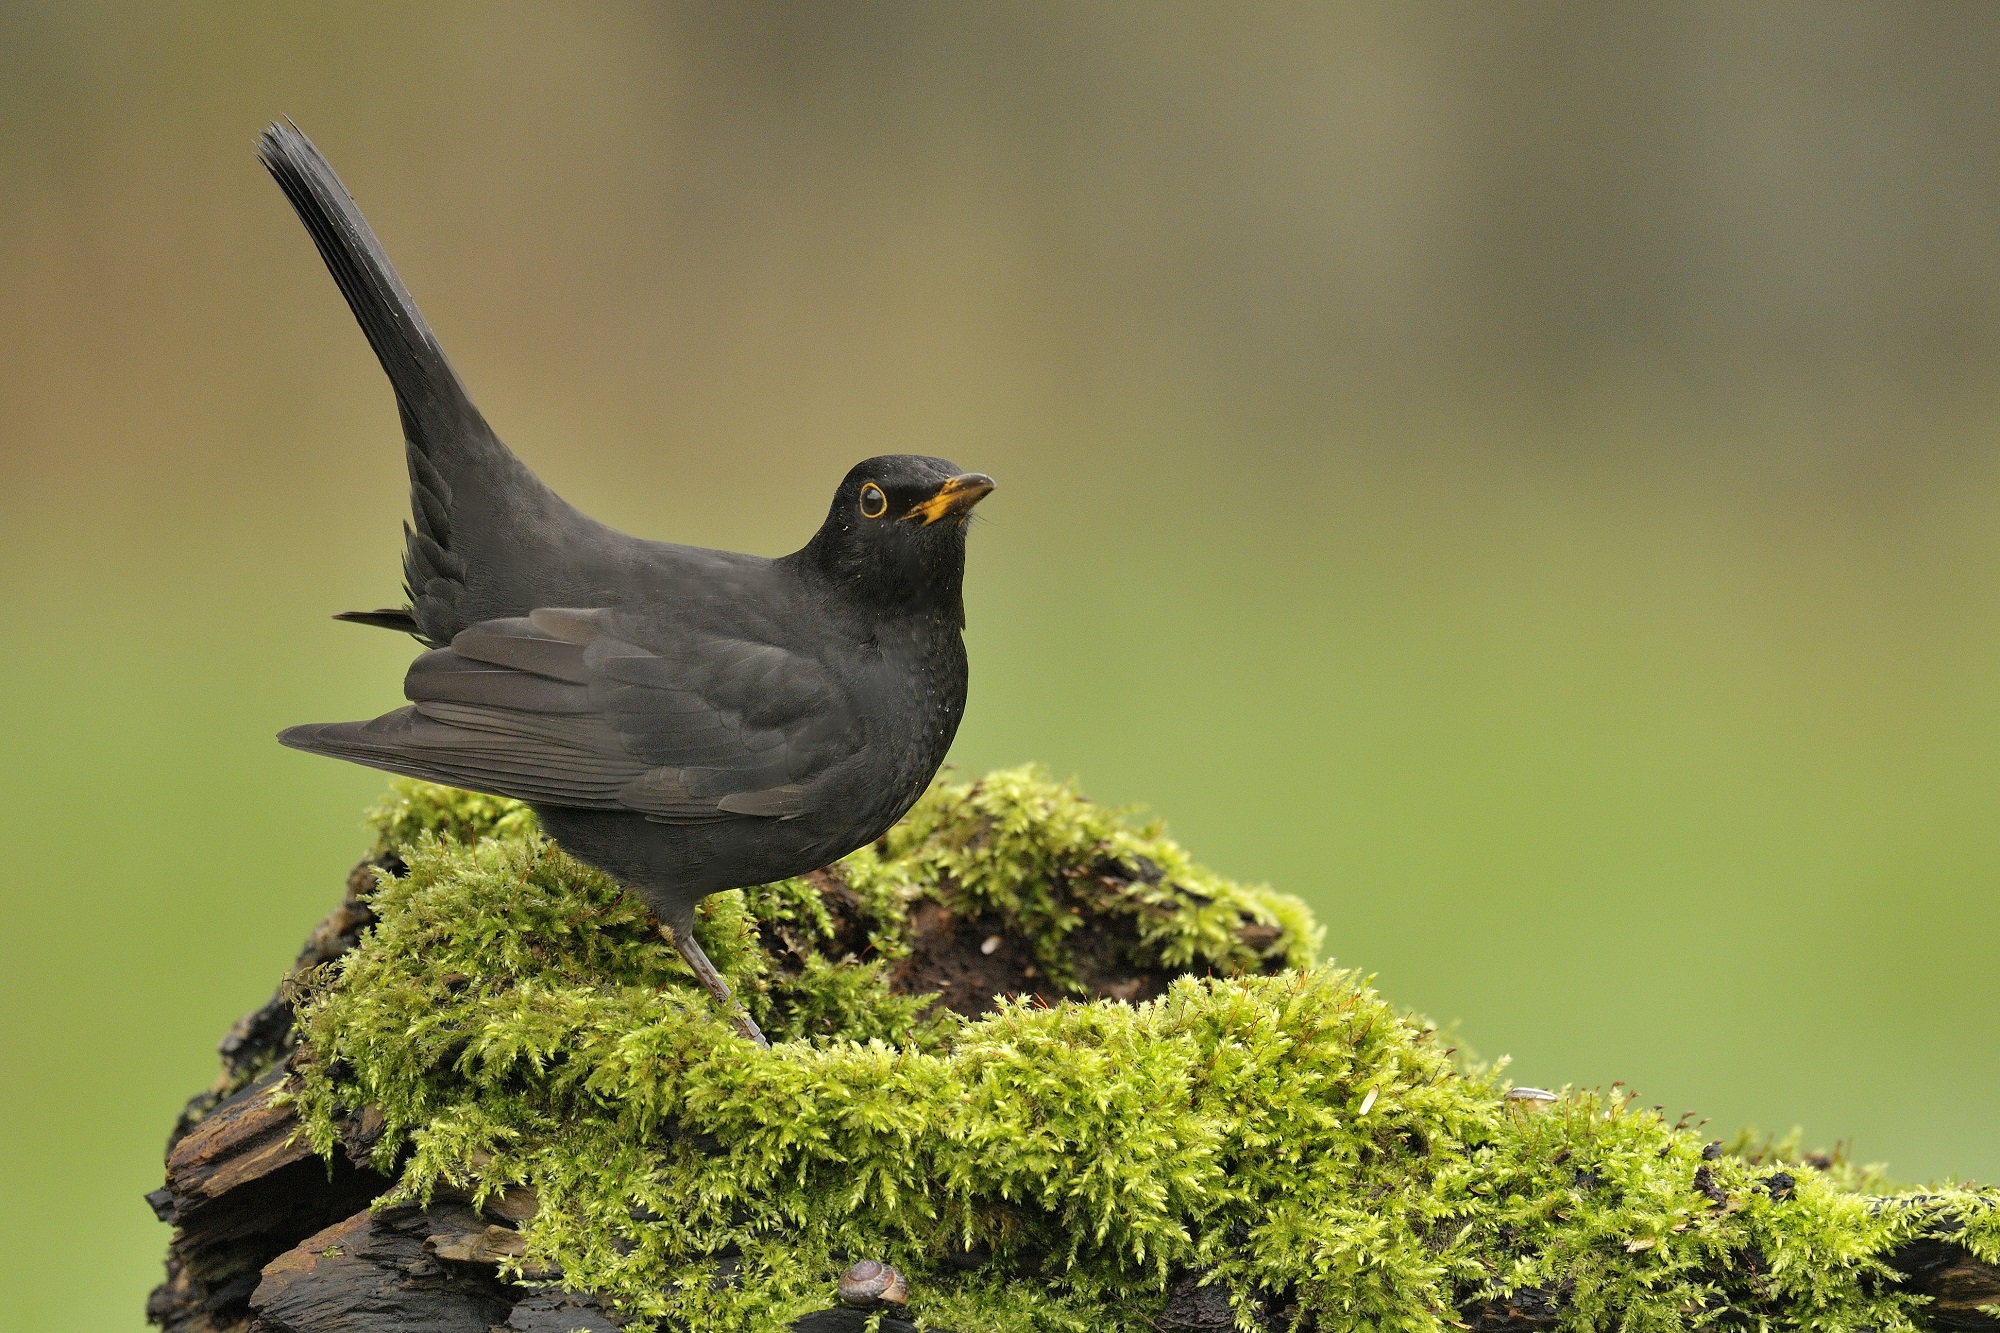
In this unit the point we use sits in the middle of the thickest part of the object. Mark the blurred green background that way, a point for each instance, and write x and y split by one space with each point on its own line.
1524 478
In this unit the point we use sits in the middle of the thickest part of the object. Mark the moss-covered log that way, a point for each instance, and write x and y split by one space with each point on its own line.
1053 1072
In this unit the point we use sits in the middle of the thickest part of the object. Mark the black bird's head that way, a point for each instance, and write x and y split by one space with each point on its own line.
895 536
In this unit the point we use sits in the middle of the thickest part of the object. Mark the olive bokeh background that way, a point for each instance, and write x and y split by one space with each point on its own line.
1523 478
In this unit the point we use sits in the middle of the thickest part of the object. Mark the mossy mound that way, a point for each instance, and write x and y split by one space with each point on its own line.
516 1022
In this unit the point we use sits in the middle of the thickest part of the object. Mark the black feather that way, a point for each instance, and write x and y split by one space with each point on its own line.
390 617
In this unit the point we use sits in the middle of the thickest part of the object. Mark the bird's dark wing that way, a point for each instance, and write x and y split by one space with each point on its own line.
483 523
556 707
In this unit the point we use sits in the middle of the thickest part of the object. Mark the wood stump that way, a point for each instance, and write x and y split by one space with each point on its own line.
269 1238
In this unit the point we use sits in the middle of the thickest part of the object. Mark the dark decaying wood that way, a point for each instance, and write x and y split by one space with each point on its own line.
382 1272
1957 1283
268 1238
238 1191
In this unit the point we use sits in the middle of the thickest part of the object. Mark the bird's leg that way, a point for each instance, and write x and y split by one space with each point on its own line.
682 938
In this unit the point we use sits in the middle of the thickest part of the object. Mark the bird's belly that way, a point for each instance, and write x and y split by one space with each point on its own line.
674 866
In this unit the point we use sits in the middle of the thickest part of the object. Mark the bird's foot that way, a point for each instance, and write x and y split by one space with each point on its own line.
704 971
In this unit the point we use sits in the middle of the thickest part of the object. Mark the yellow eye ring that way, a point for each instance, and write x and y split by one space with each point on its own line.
874 504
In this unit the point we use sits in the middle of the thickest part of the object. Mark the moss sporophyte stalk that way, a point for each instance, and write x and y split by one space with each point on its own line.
516 1022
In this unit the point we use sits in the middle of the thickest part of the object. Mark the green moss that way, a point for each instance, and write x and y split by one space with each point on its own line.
1760 1149
1031 850
518 1022
412 809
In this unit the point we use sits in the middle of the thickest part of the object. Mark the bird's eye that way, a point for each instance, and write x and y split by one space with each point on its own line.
874 504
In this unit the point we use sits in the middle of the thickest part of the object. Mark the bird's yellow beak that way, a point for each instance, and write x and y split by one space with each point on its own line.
956 496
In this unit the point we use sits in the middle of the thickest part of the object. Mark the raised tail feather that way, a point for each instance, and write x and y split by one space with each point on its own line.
471 498
395 327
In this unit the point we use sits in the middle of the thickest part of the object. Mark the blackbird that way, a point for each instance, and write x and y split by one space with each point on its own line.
685 720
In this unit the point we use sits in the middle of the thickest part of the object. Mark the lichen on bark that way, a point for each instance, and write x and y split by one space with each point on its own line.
1274 1129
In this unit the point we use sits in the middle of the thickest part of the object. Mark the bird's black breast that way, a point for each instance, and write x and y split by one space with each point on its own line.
907 678
926 669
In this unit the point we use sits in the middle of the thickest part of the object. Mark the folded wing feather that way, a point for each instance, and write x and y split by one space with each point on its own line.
557 707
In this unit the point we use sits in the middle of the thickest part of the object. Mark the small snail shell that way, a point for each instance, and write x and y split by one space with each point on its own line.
872 1283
